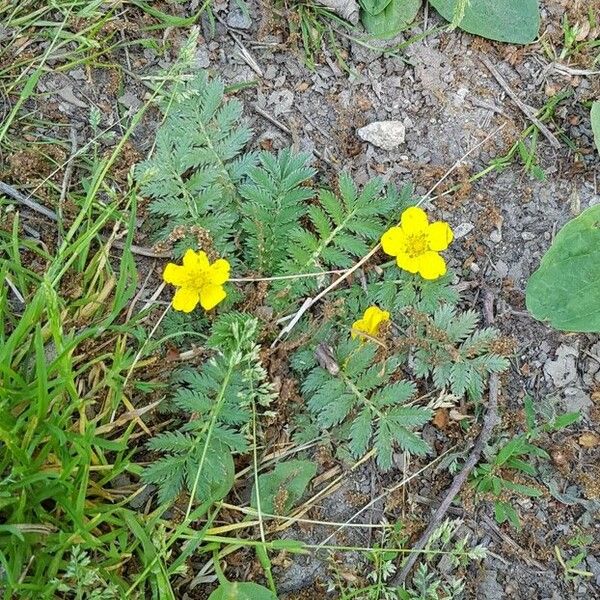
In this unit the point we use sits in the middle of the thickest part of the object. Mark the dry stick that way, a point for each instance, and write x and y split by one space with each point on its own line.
569 71
244 54
9 190
526 109
263 113
489 422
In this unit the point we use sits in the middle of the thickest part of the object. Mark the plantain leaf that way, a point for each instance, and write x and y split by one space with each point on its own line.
512 21
374 7
595 117
565 290
242 591
392 19
283 487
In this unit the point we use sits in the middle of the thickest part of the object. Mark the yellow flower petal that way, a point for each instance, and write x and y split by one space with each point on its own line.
393 241
414 220
440 236
219 271
174 274
195 260
211 295
374 317
431 265
371 321
408 263
357 327
190 259
185 299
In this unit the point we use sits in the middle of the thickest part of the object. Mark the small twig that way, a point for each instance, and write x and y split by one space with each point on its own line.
243 53
524 108
286 277
570 71
141 250
489 422
508 540
9 190
263 113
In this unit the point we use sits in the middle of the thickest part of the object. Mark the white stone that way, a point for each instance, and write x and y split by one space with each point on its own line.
462 230
384 134
562 371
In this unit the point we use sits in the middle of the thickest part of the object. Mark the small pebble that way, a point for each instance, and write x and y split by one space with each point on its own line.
462 230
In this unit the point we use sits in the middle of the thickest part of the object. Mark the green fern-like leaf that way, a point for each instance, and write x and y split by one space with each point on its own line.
197 165
218 401
365 405
276 195
340 229
456 354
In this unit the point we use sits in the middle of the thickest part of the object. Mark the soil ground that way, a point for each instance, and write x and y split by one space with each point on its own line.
449 101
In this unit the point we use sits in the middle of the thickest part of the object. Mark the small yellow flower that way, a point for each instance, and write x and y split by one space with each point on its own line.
417 242
197 281
372 320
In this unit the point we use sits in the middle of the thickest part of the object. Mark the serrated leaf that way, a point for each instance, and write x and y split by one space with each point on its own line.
511 21
396 393
383 445
410 416
360 433
337 410
410 442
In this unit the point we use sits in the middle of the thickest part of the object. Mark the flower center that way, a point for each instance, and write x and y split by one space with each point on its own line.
197 279
417 245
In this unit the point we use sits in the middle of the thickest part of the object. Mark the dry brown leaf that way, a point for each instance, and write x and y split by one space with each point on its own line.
440 419
456 415
589 440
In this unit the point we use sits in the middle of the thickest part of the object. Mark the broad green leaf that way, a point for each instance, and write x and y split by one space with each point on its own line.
374 7
512 21
505 512
565 290
394 18
283 487
499 512
595 116
242 591
526 490
565 420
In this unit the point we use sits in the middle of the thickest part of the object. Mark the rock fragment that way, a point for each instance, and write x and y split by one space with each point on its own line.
383 134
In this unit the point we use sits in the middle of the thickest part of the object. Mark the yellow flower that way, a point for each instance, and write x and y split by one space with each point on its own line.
197 281
372 320
416 243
